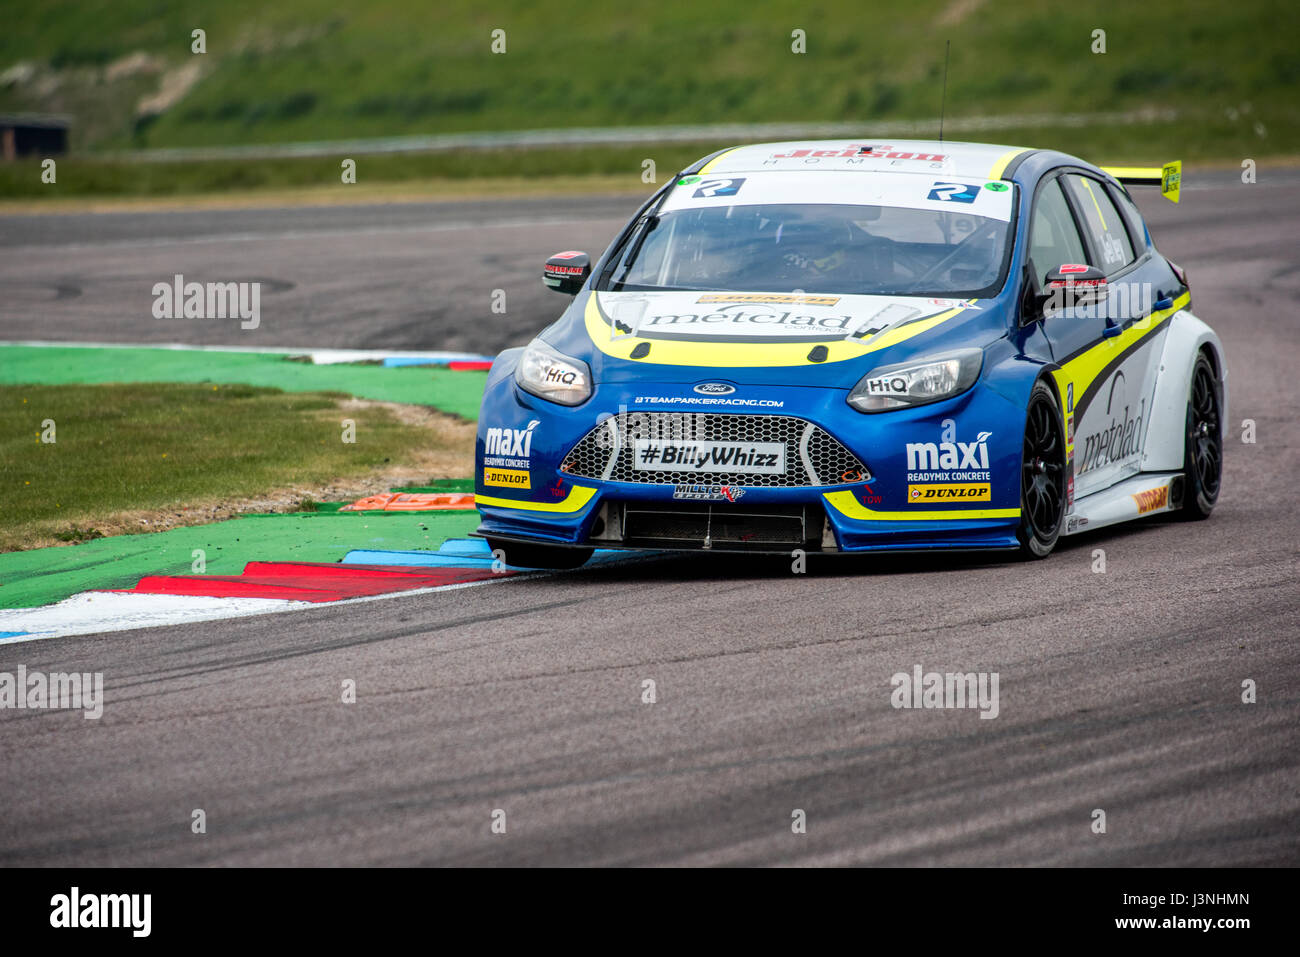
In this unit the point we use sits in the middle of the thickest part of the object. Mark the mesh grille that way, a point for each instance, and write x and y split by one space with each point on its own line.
812 456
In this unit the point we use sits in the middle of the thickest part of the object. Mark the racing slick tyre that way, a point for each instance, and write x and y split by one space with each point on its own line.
1042 476
1203 447
539 556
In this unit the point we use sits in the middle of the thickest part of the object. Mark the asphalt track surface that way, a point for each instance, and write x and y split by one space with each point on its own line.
1118 690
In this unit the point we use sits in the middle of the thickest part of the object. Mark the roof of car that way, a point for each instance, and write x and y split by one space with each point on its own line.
982 160
923 190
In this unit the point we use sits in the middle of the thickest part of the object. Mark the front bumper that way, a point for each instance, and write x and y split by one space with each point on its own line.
882 509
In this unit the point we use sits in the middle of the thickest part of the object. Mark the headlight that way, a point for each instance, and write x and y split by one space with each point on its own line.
551 375
916 383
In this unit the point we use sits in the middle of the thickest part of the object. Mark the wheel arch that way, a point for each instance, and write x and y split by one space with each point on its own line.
1188 338
503 366
1013 376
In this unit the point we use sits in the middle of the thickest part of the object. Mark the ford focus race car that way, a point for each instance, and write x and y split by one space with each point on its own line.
852 347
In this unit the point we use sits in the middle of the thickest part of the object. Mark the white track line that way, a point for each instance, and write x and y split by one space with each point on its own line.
92 612
74 616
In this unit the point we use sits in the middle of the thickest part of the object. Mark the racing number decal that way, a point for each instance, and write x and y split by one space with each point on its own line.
719 187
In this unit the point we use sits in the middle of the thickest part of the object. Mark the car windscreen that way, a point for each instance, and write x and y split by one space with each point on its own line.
842 249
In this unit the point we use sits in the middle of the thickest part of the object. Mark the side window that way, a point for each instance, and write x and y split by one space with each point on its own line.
1137 229
1053 237
1102 221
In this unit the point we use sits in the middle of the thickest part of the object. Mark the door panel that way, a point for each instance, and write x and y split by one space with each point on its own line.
1112 411
1112 379
1113 415
1055 239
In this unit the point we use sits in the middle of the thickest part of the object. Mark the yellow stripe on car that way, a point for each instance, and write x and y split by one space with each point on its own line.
1081 371
723 354
847 504
1085 367
578 497
1135 174
1004 161
708 167
1095 205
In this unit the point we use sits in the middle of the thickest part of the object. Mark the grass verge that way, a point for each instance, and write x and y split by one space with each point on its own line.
301 70
148 456
455 392
44 575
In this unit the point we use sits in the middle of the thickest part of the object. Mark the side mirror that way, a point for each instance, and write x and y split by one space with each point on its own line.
1074 284
566 272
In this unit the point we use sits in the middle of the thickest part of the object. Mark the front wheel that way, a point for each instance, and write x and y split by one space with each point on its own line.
1203 445
532 555
1042 476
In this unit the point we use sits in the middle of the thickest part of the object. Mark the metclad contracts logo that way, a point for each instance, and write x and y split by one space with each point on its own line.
737 319
1119 439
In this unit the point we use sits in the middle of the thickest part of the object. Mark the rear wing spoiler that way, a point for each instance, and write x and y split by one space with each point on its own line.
1168 177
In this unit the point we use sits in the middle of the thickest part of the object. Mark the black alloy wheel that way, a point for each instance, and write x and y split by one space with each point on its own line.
1203 447
1042 475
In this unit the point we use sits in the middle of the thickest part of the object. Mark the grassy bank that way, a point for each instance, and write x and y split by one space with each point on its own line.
314 70
457 393
132 457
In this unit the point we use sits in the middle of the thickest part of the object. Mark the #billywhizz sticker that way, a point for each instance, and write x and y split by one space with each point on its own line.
750 458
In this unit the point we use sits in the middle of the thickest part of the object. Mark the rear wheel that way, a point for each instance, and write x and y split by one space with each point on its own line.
1203 444
1042 476
530 555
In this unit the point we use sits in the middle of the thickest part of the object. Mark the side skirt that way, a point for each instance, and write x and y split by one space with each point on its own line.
1147 493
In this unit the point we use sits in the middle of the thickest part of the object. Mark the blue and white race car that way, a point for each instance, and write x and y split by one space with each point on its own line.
844 347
